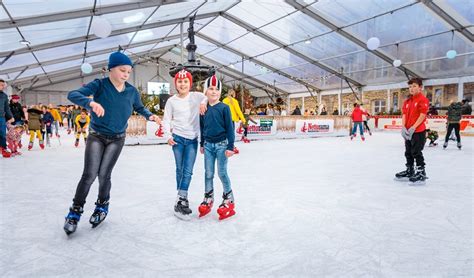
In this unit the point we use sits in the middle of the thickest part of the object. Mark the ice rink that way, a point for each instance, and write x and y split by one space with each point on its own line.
305 208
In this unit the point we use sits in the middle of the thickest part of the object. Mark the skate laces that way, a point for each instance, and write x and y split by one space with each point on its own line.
208 198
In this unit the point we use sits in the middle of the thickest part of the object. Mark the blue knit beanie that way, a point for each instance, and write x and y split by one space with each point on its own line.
119 59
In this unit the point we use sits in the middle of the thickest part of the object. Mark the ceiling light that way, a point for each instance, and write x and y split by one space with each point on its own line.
25 42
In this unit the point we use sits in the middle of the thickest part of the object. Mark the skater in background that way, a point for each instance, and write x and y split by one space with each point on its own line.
414 132
432 135
181 127
356 116
217 144
17 110
5 115
466 107
75 111
113 102
365 118
454 117
35 126
82 123
15 131
246 125
57 119
47 120
235 110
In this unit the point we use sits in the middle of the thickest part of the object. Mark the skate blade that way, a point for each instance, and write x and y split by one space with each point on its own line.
401 179
416 183
182 216
227 215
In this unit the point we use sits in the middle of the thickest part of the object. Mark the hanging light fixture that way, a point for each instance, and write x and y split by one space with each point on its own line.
24 42
101 27
397 62
86 68
373 42
451 54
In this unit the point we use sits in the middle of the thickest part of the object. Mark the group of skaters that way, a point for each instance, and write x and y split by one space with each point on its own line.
187 115
38 121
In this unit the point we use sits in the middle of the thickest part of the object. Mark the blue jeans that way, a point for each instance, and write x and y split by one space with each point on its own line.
361 129
213 151
184 152
3 133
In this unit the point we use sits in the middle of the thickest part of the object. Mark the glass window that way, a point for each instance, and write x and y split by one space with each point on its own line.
109 42
128 18
3 15
223 30
464 8
151 34
325 46
26 8
258 13
65 65
215 6
258 45
344 12
10 40
55 31
32 72
60 52
173 11
378 106
295 28
18 61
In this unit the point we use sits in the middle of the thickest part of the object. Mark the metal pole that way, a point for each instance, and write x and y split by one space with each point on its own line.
340 95
182 42
241 87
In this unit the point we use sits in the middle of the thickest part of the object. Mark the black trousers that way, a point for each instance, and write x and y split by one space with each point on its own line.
456 127
414 148
366 126
100 157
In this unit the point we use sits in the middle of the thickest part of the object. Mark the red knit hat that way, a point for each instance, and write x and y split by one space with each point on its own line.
183 74
212 81
16 97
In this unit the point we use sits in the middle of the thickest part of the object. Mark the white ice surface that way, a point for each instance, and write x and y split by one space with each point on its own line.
305 208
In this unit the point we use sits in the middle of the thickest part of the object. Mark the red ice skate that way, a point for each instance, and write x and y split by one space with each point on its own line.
206 205
226 209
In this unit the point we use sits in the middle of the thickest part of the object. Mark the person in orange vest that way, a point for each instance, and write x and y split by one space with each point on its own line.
57 119
234 111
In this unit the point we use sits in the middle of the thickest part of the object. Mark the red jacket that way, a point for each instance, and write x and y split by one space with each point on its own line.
357 115
412 108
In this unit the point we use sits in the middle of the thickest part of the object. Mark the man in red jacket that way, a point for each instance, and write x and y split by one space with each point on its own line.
414 132
357 121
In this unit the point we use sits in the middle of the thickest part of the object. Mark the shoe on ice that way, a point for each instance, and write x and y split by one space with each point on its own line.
226 209
206 204
181 209
405 175
100 213
73 217
419 177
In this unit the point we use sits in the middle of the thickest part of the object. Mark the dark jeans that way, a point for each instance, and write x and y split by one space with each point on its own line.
456 127
414 148
3 133
101 155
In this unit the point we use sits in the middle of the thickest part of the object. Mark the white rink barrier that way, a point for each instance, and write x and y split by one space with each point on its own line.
437 123
277 127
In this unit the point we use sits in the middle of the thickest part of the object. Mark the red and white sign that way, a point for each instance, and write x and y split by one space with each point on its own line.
390 123
437 124
314 126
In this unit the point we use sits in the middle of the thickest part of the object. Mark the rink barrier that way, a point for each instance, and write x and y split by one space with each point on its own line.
140 131
435 122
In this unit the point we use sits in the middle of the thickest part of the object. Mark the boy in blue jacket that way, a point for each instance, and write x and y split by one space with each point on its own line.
217 143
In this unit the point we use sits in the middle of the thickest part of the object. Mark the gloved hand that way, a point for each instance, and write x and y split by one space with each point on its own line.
411 130
404 133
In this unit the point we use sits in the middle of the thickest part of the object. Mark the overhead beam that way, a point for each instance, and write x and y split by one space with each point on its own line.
89 54
97 65
255 60
114 33
48 18
287 48
441 13
347 35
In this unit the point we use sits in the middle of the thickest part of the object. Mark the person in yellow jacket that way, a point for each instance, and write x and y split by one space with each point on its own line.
57 119
234 111
82 122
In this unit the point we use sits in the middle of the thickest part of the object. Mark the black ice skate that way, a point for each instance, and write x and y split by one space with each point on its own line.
419 177
72 219
405 175
181 209
100 213
459 145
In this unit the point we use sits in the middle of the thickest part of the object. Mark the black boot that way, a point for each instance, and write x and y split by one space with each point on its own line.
181 209
72 219
420 176
100 212
405 175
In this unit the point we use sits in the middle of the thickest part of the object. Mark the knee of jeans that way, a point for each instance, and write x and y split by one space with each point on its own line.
187 172
104 177
223 175
209 174
88 177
